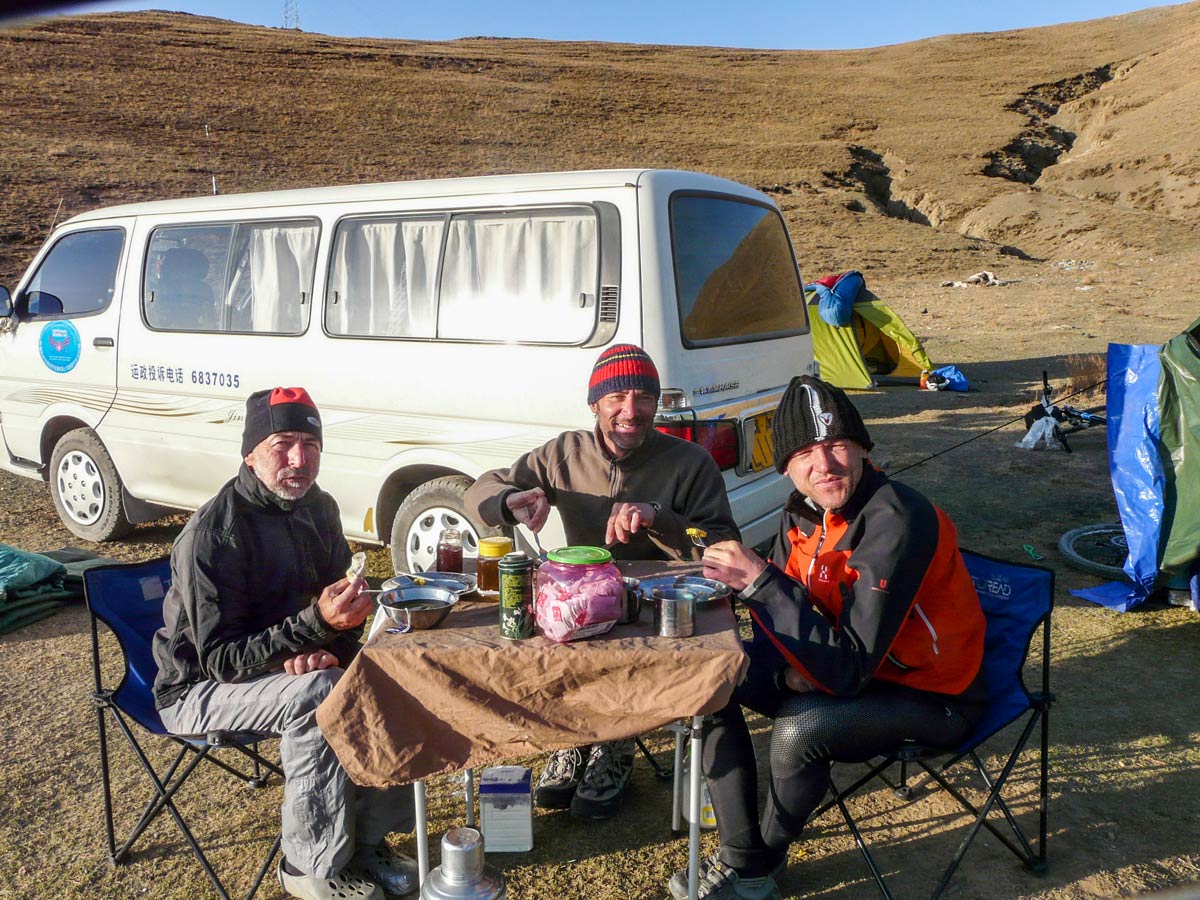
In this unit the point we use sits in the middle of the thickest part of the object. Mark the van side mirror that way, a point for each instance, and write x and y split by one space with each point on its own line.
6 304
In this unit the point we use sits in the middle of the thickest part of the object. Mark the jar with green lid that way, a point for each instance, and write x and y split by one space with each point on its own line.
578 593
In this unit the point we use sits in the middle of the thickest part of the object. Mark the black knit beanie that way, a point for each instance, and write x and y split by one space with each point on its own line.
278 409
812 411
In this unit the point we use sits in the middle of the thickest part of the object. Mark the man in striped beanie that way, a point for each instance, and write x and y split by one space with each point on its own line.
621 485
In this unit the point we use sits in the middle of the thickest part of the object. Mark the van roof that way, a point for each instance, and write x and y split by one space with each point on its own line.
436 187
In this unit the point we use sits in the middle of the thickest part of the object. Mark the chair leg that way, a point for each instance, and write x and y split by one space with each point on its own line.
1026 854
265 868
677 780
659 772
106 786
858 840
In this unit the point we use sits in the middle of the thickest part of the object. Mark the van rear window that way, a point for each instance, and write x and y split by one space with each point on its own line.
735 276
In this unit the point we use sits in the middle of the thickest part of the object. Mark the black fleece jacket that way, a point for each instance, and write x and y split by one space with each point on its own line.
245 574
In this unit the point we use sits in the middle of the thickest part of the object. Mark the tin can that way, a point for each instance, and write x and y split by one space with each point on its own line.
516 596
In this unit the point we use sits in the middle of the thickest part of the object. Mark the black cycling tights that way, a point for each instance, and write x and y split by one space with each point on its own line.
810 731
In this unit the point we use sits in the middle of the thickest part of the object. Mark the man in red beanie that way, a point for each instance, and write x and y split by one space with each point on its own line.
867 632
260 621
623 485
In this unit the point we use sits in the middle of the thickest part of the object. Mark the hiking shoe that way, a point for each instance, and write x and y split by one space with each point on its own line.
392 871
718 881
608 769
559 779
340 887
678 884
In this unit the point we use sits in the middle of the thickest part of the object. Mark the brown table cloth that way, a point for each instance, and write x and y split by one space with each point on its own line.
460 696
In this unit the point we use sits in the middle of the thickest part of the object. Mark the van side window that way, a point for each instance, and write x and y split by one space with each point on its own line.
383 278
735 276
242 277
525 275
78 275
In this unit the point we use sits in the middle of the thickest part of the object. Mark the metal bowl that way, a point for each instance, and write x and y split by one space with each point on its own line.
422 607
452 581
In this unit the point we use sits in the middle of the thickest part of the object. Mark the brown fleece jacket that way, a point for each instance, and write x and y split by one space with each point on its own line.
583 482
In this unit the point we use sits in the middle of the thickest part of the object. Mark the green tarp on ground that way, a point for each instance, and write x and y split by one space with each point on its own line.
876 347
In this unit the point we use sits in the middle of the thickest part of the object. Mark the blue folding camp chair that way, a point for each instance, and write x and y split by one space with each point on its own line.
128 598
1017 601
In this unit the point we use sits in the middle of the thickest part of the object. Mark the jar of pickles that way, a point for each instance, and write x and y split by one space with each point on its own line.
487 573
577 593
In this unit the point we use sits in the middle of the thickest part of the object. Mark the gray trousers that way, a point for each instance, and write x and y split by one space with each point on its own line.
325 815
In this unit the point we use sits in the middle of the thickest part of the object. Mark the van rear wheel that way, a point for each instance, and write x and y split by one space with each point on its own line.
87 488
425 513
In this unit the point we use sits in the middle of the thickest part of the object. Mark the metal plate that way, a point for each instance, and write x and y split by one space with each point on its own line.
452 581
705 589
759 441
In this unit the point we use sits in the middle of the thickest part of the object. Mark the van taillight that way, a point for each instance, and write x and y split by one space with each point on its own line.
718 436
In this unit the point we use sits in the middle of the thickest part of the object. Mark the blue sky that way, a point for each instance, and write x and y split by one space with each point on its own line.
774 24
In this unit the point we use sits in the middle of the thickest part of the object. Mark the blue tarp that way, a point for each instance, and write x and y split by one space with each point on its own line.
1135 468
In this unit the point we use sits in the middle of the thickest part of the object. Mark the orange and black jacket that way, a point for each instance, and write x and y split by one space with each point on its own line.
876 589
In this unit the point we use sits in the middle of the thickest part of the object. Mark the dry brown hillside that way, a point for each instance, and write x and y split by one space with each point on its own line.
916 158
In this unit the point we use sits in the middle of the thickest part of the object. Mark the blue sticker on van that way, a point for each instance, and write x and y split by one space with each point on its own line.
59 346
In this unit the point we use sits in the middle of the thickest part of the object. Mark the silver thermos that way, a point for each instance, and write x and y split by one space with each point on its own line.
462 874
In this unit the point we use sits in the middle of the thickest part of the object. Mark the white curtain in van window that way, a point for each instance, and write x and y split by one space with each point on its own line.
384 276
281 269
519 277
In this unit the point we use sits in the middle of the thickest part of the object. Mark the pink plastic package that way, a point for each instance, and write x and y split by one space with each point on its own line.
587 607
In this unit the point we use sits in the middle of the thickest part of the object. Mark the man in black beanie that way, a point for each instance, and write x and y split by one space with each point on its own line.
867 632
261 619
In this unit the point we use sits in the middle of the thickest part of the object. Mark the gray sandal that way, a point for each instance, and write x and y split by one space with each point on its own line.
341 887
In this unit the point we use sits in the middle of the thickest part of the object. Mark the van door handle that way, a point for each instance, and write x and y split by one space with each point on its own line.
102 342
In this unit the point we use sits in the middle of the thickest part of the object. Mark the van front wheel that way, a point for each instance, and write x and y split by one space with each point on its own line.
425 513
86 487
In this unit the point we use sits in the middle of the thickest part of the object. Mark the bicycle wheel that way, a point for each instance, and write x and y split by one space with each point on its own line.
1098 549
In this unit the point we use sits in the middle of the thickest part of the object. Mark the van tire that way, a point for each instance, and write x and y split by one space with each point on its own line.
429 508
86 488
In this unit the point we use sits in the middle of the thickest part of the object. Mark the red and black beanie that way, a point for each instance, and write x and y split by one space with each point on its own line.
278 409
622 367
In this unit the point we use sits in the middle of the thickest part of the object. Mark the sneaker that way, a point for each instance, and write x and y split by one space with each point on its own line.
559 779
608 769
718 881
392 871
340 887
678 884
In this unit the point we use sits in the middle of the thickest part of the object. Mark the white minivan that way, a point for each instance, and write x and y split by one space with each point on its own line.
443 328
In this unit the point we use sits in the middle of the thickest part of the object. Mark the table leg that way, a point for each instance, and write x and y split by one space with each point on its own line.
694 810
422 831
469 795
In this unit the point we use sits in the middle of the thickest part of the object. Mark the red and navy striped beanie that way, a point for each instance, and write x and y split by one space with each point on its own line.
278 409
622 367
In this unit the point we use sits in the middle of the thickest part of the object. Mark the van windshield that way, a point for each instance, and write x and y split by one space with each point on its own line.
735 276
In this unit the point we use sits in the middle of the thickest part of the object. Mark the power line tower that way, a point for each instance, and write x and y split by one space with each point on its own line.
291 14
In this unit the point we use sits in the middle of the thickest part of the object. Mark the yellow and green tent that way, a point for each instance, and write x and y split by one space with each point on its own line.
874 348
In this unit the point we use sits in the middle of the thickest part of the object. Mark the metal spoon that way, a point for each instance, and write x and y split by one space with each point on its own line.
542 555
